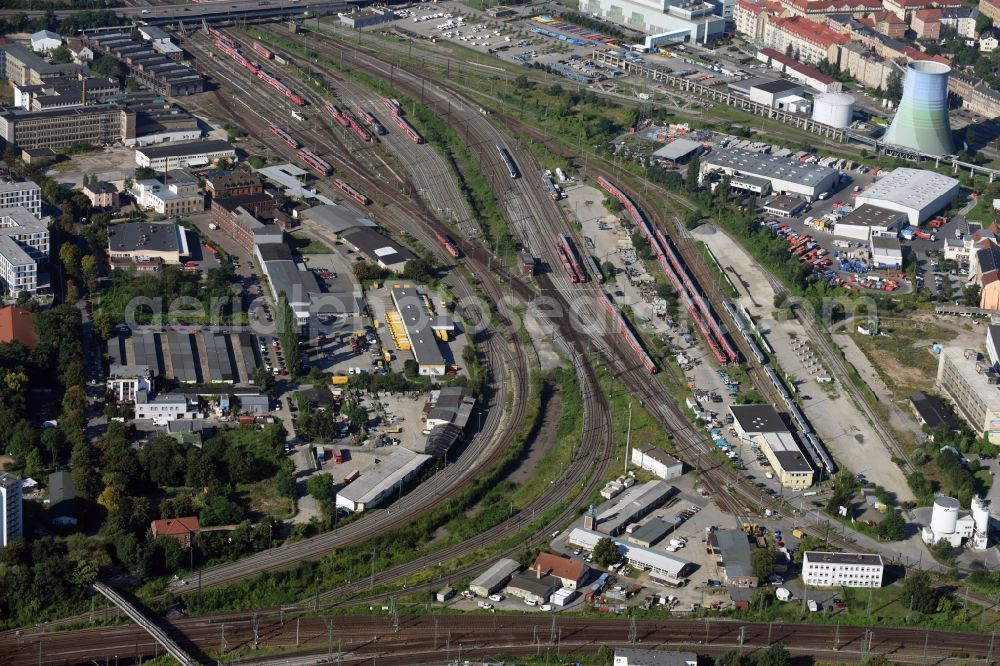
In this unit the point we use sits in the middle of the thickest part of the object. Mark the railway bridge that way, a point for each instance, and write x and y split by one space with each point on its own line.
147 625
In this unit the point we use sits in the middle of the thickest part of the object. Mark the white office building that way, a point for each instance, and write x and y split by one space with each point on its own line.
786 175
680 20
821 569
11 515
125 381
24 241
27 195
164 408
917 192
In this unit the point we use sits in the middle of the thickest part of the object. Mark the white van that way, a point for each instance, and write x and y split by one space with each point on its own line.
530 602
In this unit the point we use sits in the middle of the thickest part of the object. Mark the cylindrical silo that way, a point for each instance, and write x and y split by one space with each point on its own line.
921 121
834 109
944 516
981 515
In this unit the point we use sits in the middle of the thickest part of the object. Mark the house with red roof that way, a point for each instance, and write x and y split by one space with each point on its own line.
182 528
18 325
571 572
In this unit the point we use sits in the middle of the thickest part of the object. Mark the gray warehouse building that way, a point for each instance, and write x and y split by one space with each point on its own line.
918 193
494 578
787 176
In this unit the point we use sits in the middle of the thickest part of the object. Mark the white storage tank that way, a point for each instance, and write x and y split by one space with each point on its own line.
944 516
981 514
834 109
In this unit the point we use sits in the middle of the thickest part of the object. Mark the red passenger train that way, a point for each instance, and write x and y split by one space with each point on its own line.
351 192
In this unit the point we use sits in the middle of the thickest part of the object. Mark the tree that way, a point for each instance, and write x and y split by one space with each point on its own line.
91 272
419 270
69 256
61 55
893 526
693 169
919 594
110 498
263 380
970 295
320 486
605 552
776 655
762 561
220 511
108 67
894 86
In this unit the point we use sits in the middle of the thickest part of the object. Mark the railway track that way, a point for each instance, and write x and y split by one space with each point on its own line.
410 639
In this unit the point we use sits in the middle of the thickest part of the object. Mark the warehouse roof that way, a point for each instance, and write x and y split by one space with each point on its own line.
185 149
633 657
497 574
842 558
654 531
336 218
886 243
389 471
769 166
378 247
677 149
778 86
915 188
134 236
792 461
657 454
566 568
416 319
758 418
932 411
868 215
531 584
735 550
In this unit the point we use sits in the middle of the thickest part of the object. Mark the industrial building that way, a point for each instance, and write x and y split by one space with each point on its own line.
833 109
783 206
821 569
762 425
969 381
284 276
419 327
24 242
241 217
11 511
153 66
634 657
787 176
176 194
367 17
495 578
180 155
447 414
377 484
571 572
921 121
233 183
886 252
949 523
633 505
59 128
186 358
44 41
678 151
918 193
931 412
377 247
867 220
653 532
673 20
63 92
794 69
662 567
22 67
530 587
145 245
780 94
656 460
733 548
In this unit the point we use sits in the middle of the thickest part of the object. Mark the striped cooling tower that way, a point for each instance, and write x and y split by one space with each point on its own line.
921 122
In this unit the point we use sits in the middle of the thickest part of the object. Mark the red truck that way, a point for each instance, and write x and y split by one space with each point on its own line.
926 235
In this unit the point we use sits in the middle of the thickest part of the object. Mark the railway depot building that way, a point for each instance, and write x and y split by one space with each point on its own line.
417 328
822 569
180 155
495 578
786 176
763 426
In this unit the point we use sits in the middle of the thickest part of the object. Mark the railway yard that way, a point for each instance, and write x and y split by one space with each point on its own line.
749 420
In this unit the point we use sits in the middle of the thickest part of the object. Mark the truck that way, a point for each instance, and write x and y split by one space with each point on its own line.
320 453
353 476
338 456
213 226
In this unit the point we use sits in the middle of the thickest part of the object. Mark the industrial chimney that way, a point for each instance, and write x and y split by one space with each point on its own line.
921 121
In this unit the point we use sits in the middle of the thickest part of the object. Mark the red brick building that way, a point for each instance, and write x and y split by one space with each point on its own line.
183 529
235 183
241 217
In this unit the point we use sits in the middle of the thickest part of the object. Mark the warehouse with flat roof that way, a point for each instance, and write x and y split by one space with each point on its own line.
377 484
493 579
886 252
866 220
167 156
918 193
661 566
634 504
418 325
787 176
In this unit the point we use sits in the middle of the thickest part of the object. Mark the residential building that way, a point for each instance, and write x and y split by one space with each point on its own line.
20 66
571 572
179 155
917 192
11 512
863 64
165 407
787 176
416 330
233 183
961 19
904 9
495 578
659 462
178 195
101 194
59 128
991 9
796 71
125 381
25 195
733 547
927 23
751 17
816 9
145 245
975 94
969 381
18 325
82 54
45 41
888 24
380 483
808 40
241 218
988 41
984 267
634 657
821 569
24 242
182 528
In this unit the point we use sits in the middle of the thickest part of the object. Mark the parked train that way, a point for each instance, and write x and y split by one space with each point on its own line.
817 451
280 87
553 189
408 128
722 348
285 136
351 192
262 51
336 114
630 335
509 162
745 331
570 259
371 121
595 268
362 133
234 53
222 37
394 107
448 244
319 165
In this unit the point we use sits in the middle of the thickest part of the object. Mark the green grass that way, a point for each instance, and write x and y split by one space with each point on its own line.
906 369
262 499
307 245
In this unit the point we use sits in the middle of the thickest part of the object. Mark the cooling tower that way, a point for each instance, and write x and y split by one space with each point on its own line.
944 515
921 121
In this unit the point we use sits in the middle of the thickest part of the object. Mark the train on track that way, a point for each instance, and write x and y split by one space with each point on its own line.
817 451
267 78
509 162
449 245
262 51
337 114
319 165
285 136
371 121
222 37
570 259
357 127
407 128
394 107
234 53
676 271
232 49
351 192
630 335
553 189
595 269
745 331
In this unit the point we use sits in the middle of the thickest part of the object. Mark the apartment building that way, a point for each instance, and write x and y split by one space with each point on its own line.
24 241
125 381
751 17
11 515
975 94
177 196
822 569
970 382
808 40
27 195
